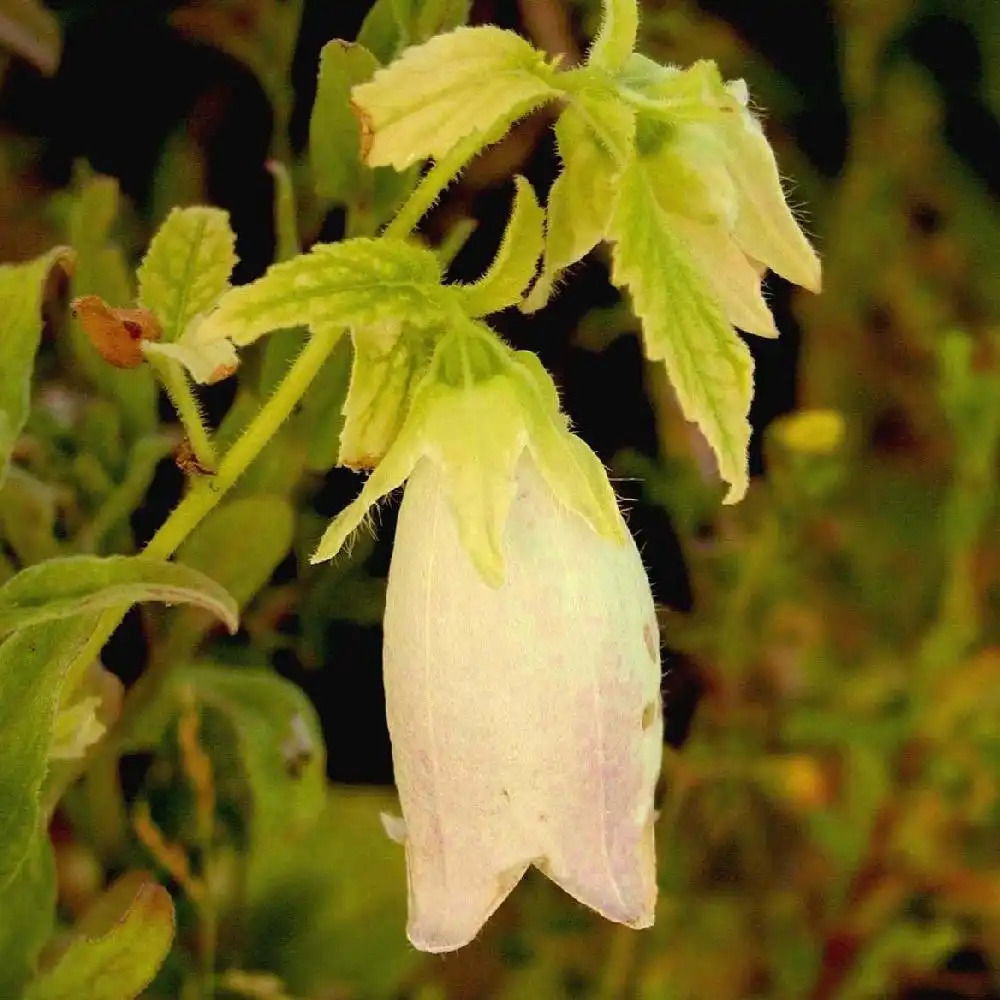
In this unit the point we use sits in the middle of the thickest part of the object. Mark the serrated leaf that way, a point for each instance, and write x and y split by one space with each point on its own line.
352 283
514 265
22 287
616 37
683 325
33 665
101 270
32 32
187 266
471 80
118 958
27 915
594 134
335 152
74 585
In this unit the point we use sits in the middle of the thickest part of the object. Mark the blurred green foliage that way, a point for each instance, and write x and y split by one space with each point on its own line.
830 830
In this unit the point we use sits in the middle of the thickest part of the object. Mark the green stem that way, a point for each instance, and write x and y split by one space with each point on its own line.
431 185
179 390
207 492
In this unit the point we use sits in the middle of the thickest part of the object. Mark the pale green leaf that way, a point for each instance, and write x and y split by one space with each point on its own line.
22 287
615 40
28 517
33 665
27 915
77 727
133 927
352 283
594 135
32 32
683 325
322 409
208 361
187 266
387 363
334 128
765 227
102 270
515 262
60 588
471 80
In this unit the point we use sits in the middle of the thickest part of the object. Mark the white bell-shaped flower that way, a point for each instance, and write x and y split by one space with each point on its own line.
525 718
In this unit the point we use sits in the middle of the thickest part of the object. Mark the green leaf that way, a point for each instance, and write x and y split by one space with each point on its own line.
594 135
60 588
515 263
32 32
322 409
312 891
22 287
286 224
391 25
27 915
387 364
28 517
334 129
616 38
33 665
121 944
187 266
264 525
765 229
279 743
471 80
352 283
683 325
101 269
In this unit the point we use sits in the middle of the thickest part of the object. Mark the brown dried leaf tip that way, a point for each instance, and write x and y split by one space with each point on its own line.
117 334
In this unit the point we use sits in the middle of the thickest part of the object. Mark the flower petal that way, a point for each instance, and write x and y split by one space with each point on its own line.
525 719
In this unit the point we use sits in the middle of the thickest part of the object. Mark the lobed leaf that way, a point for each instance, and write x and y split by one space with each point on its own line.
683 325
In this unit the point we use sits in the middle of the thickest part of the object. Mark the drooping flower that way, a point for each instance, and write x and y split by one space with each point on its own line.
521 652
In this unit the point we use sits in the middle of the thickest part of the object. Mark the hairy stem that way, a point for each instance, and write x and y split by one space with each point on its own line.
179 390
431 185
206 493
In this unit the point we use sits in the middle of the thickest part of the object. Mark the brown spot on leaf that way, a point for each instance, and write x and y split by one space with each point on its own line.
649 712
